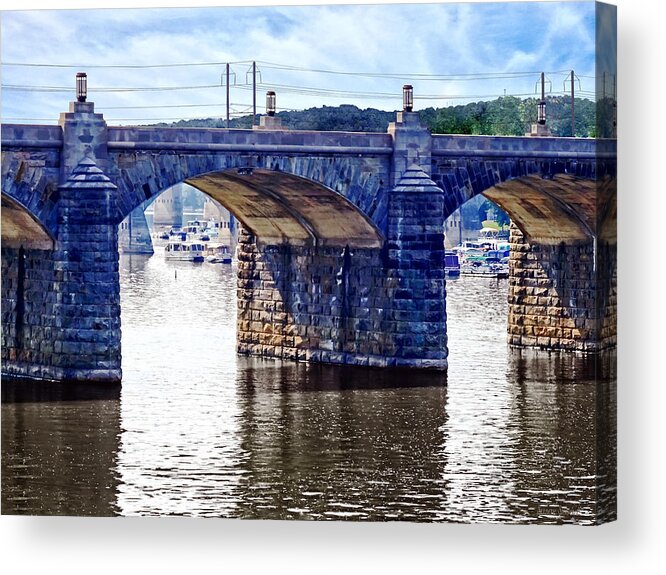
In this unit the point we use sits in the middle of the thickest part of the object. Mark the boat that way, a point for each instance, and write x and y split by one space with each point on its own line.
451 264
488 256
485 269
212 229
218 254
493 239
184 251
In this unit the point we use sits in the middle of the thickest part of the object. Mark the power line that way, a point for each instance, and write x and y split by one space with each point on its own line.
33 88
324 92
301 90
410 75
216 104
288 68
119 66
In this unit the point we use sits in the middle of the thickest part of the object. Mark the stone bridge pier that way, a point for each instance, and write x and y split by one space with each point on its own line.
341 259
380 305
61 305
562 296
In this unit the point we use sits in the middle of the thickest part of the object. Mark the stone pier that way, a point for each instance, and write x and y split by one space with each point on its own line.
360 306
562 296
61 307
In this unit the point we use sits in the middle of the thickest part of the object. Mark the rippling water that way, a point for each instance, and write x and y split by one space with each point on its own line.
506 436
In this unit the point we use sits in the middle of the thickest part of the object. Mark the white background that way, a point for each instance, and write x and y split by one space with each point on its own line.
630 545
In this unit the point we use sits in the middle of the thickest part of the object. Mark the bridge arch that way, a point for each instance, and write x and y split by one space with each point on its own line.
142 175
549 201
281 208
562 272
21 228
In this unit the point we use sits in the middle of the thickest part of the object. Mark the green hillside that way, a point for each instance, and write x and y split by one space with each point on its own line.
508 116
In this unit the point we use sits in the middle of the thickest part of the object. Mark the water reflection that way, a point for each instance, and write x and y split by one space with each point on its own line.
320 447
59 457
505 436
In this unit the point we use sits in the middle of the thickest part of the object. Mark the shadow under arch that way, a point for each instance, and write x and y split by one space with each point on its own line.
282 208
552 210
21 228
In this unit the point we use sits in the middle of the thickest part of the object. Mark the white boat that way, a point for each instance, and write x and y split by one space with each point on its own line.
483 269
218 254
493 239
178 250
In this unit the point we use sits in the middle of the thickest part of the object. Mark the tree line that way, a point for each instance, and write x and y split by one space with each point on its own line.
504 116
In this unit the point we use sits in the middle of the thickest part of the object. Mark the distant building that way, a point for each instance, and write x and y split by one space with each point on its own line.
228 226
168 207
134 234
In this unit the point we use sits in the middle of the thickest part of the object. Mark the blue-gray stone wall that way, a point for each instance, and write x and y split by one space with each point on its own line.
29 302
331 305
320 305
61 307
89 311
415 255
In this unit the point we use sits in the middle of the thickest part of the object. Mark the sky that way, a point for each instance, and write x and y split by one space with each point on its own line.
310 55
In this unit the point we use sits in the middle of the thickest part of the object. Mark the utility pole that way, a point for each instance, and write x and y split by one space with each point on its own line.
541 115
254 93
573 120
614 134
227 95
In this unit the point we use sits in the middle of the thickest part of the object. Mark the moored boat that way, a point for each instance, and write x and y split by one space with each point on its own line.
451 264
179 250
218 254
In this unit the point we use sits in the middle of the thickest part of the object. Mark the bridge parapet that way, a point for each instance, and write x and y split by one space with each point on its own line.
522 147
23 136
260 141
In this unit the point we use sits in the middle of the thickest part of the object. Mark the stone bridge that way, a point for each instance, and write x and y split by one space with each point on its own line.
341 258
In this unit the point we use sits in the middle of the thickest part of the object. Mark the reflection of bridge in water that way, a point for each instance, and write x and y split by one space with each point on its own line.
342 259
291 440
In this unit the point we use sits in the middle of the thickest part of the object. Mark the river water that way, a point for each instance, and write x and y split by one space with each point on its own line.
506 436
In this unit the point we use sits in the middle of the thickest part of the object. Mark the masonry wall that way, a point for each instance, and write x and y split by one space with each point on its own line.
61 308
558 299
61 313
328 305
28 313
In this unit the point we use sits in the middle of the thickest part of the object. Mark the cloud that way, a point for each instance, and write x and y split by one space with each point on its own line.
448 38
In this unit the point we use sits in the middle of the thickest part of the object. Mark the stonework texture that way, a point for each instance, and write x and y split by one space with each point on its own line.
562 297
316 301
61 308
373 307
331 305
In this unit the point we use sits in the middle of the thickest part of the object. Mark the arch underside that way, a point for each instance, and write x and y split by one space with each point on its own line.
21 228
280 208
561 208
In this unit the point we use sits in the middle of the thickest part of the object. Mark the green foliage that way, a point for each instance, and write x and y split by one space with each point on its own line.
505 116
